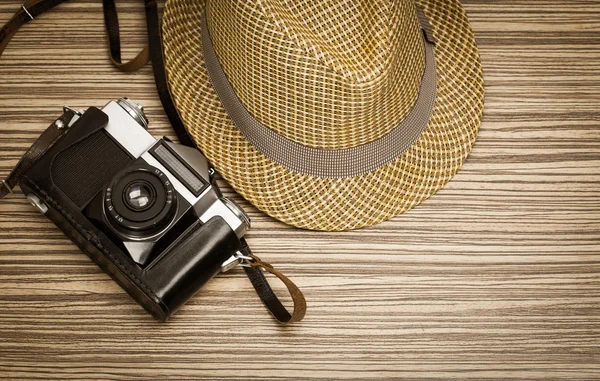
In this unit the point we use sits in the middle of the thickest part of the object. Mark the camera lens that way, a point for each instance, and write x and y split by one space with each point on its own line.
140 201
140 195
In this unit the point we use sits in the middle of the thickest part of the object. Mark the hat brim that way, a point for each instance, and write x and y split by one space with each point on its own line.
333 204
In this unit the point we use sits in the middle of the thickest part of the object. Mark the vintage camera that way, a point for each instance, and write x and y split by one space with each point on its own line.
147 211
150 201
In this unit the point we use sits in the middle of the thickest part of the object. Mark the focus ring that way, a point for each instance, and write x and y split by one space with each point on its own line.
132 220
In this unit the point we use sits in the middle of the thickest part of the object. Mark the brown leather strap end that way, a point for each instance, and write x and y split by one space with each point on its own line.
254 267
297 296
111 20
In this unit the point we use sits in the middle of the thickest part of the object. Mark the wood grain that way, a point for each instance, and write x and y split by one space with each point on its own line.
497 277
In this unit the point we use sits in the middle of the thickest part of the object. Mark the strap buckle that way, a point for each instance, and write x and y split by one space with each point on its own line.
73 110
27 11
246 261
60 124
237 259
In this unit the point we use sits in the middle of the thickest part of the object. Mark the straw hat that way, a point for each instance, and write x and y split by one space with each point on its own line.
327 114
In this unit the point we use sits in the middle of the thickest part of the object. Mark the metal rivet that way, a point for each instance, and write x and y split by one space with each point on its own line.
59 124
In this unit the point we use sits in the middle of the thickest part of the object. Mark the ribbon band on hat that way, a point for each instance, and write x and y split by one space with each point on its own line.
338 163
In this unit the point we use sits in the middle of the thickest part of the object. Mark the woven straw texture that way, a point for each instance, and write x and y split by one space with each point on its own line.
327 74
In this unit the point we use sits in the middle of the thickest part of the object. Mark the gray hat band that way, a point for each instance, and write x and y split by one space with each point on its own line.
338 163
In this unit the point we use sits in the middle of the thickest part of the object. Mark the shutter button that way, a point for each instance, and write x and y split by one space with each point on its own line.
35 201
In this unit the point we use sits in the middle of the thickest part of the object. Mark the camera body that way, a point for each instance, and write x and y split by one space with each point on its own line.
151 201
146 210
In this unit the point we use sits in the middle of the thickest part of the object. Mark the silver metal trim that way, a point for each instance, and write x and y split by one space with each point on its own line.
73 110
135 110
60 124
230 264
237 211
7 187
37 203
128 132
27 12
237 259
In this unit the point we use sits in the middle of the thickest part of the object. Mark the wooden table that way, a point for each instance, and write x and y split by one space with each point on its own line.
497 277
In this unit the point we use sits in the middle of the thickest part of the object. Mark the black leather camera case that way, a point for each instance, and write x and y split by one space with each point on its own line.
169 280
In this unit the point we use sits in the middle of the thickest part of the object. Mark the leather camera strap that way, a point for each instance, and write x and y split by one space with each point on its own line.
31 9
155 53
111 20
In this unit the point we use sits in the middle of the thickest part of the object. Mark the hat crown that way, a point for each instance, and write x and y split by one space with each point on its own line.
358 55
327 74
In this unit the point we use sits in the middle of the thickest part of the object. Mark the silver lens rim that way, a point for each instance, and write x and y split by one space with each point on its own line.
238 212
136 111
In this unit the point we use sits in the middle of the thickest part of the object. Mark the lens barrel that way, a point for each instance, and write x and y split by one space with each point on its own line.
140 201
139 195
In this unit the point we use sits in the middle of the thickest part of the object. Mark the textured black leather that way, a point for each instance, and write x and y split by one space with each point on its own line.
39 147
101 251
182 272
167 283
169 280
